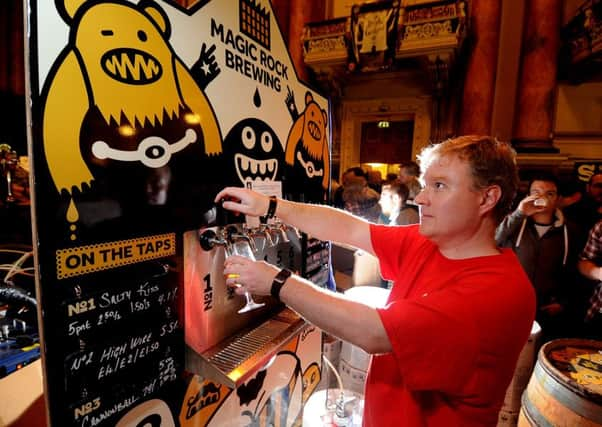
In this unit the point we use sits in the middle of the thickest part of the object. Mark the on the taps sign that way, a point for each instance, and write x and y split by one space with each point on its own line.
140 112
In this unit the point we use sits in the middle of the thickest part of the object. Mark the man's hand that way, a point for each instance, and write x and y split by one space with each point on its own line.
205 69
244 274
243 200
527 208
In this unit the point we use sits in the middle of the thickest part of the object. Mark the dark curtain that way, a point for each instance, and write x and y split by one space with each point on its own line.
12 76
12 73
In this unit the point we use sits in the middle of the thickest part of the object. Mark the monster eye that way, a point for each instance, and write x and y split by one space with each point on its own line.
107 32
266 142
142 36
248 137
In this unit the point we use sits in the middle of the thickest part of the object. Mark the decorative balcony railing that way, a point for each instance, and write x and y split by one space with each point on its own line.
426 29
327 43
582 35
377 34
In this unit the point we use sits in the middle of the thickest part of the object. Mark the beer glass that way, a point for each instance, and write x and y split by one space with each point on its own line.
243 248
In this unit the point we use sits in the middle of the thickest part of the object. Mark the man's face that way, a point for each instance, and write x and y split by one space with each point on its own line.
594 188
450 208
404 176
389 201
545 190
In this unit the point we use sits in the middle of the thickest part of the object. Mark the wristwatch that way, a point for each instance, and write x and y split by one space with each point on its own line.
279 281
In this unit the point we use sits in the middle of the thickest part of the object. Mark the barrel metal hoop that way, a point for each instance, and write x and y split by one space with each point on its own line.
567 397
531 412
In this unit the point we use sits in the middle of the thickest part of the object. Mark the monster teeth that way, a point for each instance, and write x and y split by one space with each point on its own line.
253 167
270 165
244 163
262 168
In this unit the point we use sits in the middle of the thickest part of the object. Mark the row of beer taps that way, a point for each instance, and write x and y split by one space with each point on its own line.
241 240
258 238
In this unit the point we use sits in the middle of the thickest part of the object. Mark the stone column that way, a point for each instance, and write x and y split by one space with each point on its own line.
479 83
533 120
301 13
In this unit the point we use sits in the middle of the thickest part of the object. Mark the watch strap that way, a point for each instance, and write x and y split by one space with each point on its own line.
272 207
279 281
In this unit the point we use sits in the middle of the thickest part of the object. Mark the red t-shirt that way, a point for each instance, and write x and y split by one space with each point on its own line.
456 328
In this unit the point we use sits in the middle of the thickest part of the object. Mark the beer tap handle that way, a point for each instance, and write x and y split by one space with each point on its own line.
233 234
221 216
295 229
251 243
268 236
281 227
208 240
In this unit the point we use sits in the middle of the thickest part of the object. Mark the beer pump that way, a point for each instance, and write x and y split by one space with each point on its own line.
227 343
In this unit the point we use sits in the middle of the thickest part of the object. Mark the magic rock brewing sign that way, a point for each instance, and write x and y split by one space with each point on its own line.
141 111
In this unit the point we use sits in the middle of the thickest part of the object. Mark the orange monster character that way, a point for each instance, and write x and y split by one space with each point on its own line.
307 154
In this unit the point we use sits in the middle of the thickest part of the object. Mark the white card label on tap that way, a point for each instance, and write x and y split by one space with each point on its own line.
268 188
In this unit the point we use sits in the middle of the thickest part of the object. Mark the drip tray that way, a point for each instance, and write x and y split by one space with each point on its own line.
236 359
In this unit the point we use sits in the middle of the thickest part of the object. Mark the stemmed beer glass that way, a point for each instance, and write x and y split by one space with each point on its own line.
243 248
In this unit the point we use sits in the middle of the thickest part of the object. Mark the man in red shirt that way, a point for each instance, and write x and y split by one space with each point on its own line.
461 309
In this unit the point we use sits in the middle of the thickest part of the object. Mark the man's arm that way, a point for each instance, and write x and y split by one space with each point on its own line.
322 222
351 321
591 252
513 221
589 269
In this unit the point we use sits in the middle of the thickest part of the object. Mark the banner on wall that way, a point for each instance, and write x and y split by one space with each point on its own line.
584 170
141 111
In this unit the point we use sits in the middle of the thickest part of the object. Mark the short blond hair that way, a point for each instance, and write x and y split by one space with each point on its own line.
491 162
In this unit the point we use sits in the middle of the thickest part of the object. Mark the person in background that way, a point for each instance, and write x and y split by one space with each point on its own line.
588 211
375 180
546 246
360 199
349 176
453 289
408 175
590 265
391 177
584 213
393 198
157 186
571 192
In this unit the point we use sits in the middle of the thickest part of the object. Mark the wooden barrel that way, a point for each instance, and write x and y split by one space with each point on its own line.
565 389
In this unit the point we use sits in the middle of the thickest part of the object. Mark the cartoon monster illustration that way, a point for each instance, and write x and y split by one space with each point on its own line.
307 154
278 384
152 413
253 152
120 104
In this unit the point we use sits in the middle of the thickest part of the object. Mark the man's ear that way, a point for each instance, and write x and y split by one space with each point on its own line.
491 196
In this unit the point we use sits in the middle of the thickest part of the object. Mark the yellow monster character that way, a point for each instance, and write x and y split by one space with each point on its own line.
119 95
307 152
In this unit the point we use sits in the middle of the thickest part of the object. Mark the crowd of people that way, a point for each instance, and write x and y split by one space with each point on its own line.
389 201
471 270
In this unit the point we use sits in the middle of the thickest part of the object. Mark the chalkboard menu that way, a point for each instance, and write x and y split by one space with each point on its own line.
121 333
139 112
